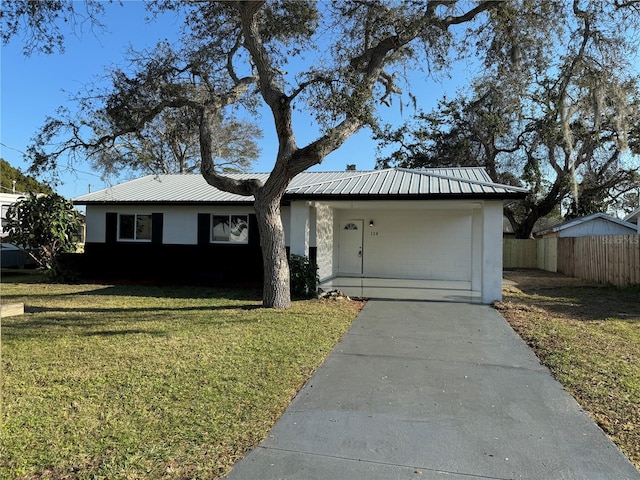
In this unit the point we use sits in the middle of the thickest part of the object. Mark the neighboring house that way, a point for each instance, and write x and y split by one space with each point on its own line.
6 200
10 255
14 256
438 224
542 224
591 225
634 217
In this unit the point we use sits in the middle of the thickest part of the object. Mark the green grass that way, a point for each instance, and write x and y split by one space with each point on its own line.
589 337
150 382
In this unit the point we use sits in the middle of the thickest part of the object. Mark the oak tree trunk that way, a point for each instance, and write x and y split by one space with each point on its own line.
275 293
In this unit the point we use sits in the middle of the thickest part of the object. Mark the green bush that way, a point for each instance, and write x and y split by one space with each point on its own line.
45 226
304 276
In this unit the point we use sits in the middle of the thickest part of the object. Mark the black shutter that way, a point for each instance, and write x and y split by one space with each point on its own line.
156 228
111 227
204 228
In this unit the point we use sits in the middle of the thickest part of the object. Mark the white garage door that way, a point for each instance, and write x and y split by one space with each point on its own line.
418 244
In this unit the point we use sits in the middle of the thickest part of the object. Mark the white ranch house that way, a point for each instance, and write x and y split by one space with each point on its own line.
432 224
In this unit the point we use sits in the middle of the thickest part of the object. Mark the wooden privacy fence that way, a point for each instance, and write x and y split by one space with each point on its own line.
611 259
519 253
608 259
539 253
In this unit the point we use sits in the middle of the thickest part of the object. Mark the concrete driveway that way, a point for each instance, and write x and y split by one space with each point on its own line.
430 390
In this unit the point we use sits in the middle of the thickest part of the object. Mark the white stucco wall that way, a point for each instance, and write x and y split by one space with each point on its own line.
299 230
425 244
285 214
491 285
96 223
476 249
179 224
323 240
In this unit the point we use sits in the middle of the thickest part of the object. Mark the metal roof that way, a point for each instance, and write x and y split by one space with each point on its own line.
633 216
587 218
396 182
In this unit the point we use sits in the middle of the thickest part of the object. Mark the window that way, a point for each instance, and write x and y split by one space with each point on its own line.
134 227
230 228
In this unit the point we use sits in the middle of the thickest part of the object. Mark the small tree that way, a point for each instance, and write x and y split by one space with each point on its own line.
45 226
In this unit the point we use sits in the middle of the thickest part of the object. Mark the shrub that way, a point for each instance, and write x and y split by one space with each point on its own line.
45 226
304 276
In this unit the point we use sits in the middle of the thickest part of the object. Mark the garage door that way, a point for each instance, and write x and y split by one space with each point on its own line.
418 244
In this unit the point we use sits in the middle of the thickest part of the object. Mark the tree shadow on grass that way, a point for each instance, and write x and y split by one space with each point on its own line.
54 324
230 291
178 292
115 333
570 297
120 310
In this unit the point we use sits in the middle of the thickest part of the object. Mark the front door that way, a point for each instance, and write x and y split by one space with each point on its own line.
350 257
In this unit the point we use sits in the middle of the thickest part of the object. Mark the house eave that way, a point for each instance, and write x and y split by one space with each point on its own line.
164 202
405 197
288 198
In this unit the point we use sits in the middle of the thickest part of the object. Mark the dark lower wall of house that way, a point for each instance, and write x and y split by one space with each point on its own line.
219 264
179 263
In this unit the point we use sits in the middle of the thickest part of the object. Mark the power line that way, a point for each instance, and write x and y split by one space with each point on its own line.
70 169
11 148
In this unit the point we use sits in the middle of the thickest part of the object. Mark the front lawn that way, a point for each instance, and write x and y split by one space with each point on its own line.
589 337
133 381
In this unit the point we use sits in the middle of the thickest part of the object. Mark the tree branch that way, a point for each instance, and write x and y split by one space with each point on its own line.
274 97
468 16
239 187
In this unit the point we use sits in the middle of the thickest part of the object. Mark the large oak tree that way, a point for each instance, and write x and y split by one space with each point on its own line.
336 62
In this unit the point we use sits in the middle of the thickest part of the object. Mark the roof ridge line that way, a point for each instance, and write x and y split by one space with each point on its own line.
444 168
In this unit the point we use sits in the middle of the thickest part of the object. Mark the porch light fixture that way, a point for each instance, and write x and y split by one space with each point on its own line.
371 223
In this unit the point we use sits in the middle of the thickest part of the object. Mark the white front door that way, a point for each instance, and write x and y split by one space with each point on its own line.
350 257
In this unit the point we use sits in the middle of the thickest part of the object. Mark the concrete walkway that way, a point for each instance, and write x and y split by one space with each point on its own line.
433 390
403 289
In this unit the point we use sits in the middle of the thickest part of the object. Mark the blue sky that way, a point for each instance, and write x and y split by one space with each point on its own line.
34 87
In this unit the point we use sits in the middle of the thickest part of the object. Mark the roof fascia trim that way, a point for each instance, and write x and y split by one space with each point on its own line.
409 197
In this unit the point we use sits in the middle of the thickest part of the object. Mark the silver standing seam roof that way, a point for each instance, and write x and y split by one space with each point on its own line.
432 183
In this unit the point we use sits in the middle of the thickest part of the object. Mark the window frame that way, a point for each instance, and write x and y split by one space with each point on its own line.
135 229
229 216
